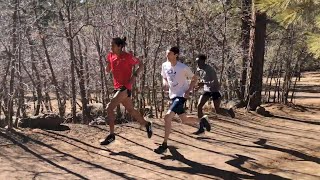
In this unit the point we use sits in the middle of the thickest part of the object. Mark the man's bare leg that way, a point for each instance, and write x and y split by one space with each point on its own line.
167 124
115 101
188 119
222 111
202 101
127 103
191 120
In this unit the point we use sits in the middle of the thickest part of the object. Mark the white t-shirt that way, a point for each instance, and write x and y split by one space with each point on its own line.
177 77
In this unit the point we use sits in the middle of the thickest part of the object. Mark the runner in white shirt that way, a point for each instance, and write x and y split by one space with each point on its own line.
176 75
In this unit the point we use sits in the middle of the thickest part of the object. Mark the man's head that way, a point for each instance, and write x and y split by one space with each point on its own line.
173 53
117 44
201 60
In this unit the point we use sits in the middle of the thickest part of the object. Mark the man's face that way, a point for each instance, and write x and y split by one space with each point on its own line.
171 56
115 48
200 63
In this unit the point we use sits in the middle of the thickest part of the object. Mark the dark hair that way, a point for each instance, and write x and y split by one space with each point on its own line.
120 42
175 50
201 57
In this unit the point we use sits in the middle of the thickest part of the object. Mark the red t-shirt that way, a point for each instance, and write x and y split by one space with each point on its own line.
121 68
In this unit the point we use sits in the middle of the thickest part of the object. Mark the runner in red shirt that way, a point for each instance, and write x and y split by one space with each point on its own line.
120 64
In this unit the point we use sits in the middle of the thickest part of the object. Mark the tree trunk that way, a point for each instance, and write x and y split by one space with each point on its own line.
61 104
257 48
13 64
102 72
69 35
288 69
177 23
145 57
21 108
3 87
245 37
276 97
36 83
80 71
154 84
223 48
86 71
298 69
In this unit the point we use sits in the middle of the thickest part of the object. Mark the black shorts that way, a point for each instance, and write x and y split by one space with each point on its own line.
123 88
213 95
177 105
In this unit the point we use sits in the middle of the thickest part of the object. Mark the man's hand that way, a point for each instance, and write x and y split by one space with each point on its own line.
201 84
186 95
165 87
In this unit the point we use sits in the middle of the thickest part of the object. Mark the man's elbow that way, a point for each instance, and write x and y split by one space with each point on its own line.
108 69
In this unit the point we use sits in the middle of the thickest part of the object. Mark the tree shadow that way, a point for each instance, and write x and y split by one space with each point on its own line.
179 142
122 175
194 168
240 160
254 130
207 139
262 143
255 127
124 137
297 120
98 148
40 156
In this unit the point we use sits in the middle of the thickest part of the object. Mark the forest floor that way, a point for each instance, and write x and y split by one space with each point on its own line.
250 146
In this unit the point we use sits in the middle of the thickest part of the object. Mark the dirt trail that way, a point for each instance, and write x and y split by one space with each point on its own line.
250 146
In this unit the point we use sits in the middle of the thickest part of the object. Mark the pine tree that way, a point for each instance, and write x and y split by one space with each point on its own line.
288 12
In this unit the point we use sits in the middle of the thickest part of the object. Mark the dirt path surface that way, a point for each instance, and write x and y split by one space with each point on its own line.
250 146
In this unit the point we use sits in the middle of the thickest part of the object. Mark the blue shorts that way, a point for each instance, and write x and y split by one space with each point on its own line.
177 105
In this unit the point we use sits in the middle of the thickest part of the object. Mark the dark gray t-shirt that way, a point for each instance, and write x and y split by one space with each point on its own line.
209 76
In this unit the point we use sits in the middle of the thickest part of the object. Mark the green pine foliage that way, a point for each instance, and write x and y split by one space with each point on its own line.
299 13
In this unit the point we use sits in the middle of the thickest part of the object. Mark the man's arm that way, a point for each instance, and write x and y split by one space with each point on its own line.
193 83
193 77
108 68
137 72
140 68
165 84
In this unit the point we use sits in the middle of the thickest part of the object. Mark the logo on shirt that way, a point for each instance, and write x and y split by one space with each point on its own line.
172 78
201 73
171 72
